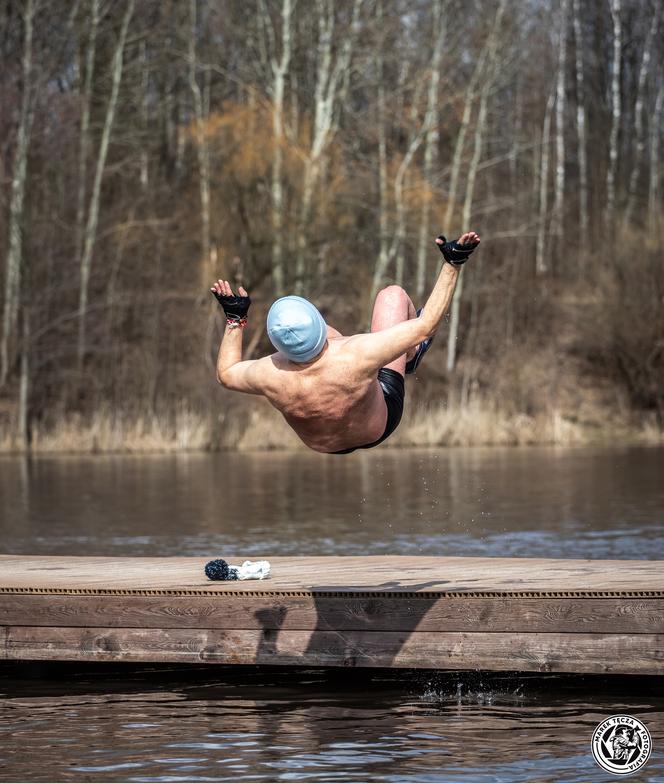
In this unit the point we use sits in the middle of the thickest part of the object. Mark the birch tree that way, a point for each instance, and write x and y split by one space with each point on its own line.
382 261
279 69
541 265
581 119
202 146
460 142
559 190
14 258
84 144
480 127
430 144
654 205
416 135
616 113
144 104
93 209
639 126
478 144
396 245
24 383
331 71
393 252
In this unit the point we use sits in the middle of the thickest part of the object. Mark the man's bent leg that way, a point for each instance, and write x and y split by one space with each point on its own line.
392 306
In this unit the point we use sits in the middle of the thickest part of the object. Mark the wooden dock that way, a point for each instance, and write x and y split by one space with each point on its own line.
586 616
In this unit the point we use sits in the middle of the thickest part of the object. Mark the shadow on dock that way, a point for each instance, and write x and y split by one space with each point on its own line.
358 614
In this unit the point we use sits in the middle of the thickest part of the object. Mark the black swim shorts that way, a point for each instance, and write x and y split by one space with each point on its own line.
394 390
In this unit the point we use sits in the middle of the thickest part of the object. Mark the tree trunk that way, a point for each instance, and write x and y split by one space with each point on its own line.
24 384
383 251
84 144
145 86
279 71
541 264
14 260
400 233
516 136
330 76
639 129
559 191
430 146
581 121
202 150
93 210
654 205
399 242
616 112
457 158
478 145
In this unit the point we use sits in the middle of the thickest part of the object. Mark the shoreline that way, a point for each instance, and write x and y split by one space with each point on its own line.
262 430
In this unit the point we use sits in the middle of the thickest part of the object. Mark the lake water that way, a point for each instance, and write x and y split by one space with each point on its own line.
150 723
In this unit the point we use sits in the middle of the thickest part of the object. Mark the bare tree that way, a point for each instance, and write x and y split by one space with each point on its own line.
84 144
331 71
382 261
478 143
279 70
616 114
639 129
655 164
93 209
581 119
431 142
395 250
202 146
306 121
144 104
480 128
559 189
459 145
541 264
24 383
14 260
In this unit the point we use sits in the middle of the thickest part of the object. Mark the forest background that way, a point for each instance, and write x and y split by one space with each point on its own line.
148 147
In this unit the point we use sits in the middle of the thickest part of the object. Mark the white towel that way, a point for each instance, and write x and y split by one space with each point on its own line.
257 569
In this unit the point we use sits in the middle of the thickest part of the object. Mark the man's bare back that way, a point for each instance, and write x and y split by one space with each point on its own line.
328 402
335 402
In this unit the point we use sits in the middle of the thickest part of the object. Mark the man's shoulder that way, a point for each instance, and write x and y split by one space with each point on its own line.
347 339
351 345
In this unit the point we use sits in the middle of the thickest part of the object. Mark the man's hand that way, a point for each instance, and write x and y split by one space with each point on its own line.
457 253
235 307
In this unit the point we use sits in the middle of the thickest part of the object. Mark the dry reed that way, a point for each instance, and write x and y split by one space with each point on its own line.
261 428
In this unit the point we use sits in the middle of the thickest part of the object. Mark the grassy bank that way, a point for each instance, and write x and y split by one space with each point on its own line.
595 374
260 427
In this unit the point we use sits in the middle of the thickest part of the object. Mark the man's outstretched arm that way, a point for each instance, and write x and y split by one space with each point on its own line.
380 348
232 372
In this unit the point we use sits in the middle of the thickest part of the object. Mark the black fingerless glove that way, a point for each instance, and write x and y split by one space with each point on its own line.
455 253
235 307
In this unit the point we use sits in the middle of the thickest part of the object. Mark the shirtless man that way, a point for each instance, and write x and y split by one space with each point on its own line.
338 393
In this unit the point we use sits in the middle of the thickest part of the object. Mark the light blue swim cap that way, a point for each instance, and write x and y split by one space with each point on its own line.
296 328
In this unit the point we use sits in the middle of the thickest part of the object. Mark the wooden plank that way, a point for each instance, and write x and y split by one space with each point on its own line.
541 652
586 615
386 574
